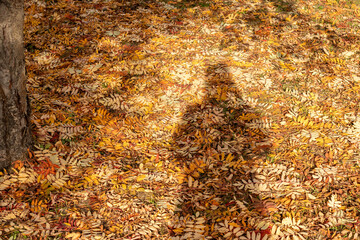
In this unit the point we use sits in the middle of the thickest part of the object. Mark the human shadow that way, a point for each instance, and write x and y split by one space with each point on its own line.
216 146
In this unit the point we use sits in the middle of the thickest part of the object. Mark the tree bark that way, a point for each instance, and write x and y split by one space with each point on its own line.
15 135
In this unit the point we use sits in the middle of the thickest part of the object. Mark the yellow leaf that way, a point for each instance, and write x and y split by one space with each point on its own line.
118 146
305 123
206 12
229 157
39 178
180 178
234 225
311 123
178 230
195 174
140 178
88 179
74 235
159 165
95 181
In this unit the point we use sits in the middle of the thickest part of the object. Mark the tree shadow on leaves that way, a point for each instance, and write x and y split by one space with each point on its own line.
217 146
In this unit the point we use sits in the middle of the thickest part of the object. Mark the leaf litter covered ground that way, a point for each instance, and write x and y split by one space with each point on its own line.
189 120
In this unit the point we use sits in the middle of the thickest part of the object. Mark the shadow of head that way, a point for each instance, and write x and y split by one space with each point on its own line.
218 75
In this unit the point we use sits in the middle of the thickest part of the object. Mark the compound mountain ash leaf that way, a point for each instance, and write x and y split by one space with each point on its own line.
189 120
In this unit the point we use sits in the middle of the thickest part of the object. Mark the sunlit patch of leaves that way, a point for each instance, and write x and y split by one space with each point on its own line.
189 120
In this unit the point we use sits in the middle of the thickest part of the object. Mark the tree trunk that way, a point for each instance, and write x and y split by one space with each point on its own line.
15 135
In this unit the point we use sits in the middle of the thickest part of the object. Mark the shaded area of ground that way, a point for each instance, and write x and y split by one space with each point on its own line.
215 146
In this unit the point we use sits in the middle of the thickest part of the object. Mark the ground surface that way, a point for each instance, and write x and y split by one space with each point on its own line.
189 120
